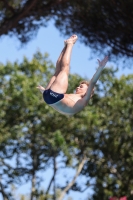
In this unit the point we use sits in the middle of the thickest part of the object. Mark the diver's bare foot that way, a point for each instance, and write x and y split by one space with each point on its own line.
71 40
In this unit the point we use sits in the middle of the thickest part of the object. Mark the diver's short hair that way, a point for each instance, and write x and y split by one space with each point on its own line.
84 82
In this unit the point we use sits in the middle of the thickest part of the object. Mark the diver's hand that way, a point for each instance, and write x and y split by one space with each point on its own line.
103 62
42 89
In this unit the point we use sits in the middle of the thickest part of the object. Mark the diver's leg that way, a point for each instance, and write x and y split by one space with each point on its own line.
58 68
60 84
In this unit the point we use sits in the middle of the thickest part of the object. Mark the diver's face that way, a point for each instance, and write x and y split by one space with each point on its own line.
81 89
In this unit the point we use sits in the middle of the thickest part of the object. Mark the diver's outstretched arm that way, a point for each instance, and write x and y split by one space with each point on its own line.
95 78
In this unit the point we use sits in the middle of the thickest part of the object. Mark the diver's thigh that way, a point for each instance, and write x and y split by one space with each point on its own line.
60 84
50 82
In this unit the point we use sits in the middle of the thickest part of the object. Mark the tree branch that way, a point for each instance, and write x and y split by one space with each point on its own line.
53 178
10 23
55 169
74 179
87 187
5 197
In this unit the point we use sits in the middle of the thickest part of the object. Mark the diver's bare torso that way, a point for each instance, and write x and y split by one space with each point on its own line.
68 105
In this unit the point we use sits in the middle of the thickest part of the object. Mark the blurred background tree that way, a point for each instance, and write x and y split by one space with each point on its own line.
96 143
112 154
33 136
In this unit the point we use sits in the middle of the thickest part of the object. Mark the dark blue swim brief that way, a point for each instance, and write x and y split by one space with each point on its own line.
51 97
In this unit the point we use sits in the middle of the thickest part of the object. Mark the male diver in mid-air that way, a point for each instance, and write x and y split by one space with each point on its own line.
55 92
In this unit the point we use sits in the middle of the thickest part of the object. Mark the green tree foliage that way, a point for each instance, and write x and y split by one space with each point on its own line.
96 143
32 135
100 24
112 156
19 106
